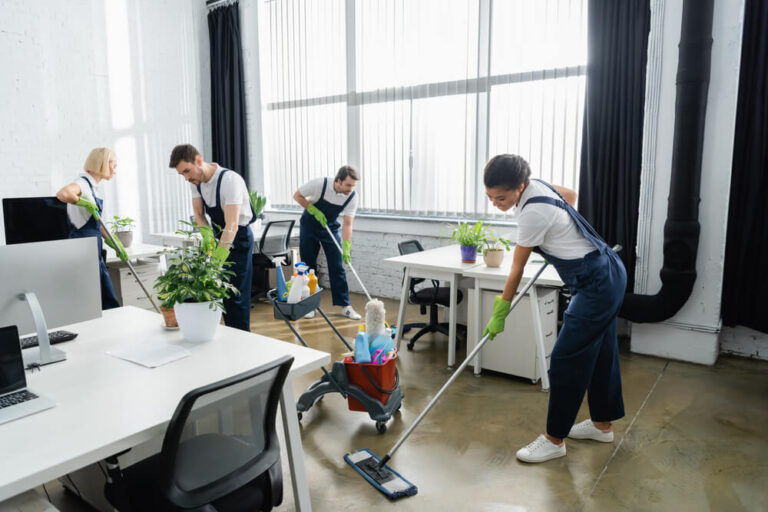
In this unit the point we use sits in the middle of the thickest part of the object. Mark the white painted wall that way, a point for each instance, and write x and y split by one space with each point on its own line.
129 75
692 334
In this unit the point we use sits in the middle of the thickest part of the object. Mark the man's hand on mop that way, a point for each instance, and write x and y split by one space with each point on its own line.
317 214
117 246
345 256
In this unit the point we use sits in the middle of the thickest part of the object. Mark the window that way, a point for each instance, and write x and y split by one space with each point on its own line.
418 94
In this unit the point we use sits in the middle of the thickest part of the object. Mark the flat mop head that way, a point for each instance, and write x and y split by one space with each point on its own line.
383 478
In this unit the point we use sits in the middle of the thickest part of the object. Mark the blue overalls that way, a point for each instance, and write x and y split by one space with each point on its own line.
586 354
313 234
237 307
92 228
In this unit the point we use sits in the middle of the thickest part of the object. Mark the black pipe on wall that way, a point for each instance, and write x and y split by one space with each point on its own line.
681 229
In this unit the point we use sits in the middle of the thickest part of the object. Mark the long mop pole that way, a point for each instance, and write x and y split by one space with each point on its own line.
350 264
128 262
458 371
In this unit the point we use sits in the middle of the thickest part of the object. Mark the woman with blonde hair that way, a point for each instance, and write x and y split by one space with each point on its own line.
84 205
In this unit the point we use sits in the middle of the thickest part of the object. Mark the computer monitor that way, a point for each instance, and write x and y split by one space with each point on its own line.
55 282
34 219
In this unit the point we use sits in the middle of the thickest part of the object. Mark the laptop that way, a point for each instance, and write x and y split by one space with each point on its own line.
16 400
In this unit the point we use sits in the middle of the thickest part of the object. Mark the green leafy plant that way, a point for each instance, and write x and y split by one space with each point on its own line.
118 224
493 241
257 202
469 236
193 274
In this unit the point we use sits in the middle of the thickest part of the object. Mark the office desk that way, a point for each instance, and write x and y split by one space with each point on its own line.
135 251
444 264
487 278
106 405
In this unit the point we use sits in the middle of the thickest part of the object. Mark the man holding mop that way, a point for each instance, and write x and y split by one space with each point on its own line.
323 201
222 194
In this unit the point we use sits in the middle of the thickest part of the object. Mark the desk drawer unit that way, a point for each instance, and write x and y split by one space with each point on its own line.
130 291
513 352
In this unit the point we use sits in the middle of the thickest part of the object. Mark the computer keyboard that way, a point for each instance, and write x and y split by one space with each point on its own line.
54 337
16 398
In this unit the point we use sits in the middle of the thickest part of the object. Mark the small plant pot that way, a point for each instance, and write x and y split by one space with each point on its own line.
169 317
125 237
197 320
468 254
493 257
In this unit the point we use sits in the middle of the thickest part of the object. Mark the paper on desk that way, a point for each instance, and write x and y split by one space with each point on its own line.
150 353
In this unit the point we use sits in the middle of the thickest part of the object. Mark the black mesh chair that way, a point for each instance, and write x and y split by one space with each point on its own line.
431 296
220 452
273 243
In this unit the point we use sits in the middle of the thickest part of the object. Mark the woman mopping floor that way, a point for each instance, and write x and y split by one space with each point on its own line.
585 358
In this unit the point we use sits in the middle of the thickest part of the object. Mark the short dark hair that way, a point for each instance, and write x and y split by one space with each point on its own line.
346 171
185 152
506 171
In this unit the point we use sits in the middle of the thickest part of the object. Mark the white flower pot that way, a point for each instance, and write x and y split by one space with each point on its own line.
125 237
493 257
197 320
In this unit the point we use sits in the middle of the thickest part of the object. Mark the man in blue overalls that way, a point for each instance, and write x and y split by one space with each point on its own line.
324 201
585 358
223 195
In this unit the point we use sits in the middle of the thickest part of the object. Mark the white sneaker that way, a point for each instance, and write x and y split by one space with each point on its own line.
311 314
587 430
540 450
348 312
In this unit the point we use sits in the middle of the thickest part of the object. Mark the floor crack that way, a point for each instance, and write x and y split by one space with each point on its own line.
618 446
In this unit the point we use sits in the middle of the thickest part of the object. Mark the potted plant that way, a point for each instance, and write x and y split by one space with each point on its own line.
470 238
493 249
257 202
122 228
194 287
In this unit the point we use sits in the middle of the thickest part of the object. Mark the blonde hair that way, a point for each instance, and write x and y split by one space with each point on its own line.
98 162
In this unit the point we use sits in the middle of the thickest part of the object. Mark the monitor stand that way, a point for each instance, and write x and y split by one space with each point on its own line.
44 353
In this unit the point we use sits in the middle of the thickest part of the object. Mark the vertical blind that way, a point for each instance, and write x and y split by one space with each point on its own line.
418 94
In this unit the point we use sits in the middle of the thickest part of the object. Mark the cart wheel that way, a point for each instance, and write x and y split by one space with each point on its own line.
300 415
381 426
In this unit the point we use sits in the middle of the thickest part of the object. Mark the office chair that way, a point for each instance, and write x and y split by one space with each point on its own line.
431 296
220 451
273 243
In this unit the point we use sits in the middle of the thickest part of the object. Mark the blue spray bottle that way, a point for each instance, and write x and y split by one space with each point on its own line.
362 350
282 289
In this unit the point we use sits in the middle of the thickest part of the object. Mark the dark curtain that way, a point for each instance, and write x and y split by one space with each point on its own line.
745 278
609 184
230 140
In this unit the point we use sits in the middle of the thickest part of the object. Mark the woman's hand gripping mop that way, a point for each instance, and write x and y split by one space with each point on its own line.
375 470
120 251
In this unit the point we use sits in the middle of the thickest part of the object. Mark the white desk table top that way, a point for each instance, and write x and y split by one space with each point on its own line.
549 277
447 258
135 251
105 404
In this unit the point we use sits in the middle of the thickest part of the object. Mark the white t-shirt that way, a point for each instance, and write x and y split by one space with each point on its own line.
313 188
233 191
78 215
549 227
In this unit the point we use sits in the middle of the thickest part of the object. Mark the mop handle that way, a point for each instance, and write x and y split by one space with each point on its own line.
133 270
458 371
350 264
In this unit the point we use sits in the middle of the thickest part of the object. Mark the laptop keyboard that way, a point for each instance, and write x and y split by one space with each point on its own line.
54 337
16 398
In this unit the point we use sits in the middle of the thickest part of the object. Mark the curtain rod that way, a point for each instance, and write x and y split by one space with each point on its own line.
212 4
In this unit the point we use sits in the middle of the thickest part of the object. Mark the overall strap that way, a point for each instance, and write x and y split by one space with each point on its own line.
93 193
325 182
348 200
218 188
577 217
546 200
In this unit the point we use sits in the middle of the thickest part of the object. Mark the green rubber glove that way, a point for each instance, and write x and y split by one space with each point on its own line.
118 248
220 254
347 246
317 214
496 323
88 205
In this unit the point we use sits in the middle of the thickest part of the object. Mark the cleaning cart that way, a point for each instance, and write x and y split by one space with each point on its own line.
371 388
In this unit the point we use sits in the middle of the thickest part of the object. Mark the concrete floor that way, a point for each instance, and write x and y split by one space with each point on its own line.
691 439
